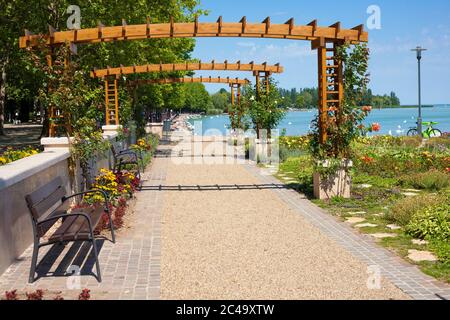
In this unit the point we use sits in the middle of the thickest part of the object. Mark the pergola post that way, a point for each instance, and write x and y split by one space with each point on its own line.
322 108
232 95
331 83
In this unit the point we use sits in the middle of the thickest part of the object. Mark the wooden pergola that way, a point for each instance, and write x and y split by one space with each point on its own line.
111 76
325 39
234 83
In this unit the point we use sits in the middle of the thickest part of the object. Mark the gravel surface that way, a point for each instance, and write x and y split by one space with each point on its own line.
247 244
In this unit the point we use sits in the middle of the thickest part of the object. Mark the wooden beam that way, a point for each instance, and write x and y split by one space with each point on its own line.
337 27
226 66
318 43
244 23
290 22
313 24
197 29
201 79
267 22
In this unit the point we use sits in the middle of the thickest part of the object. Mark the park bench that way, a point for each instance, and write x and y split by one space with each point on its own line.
127 157
50 204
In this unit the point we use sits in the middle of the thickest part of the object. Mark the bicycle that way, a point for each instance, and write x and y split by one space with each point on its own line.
430 132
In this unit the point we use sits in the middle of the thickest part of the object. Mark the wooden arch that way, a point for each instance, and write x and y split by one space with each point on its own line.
325 39
234 83
188 66
110 75
226 80
149 30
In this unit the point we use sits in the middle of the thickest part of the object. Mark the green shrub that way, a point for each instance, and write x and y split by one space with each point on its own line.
411 141
432 223
403 210
432 180
442 250
286 153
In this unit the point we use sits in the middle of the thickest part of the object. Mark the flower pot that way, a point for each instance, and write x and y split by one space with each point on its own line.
337 184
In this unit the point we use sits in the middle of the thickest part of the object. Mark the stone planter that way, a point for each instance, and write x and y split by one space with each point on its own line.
155 128
335 185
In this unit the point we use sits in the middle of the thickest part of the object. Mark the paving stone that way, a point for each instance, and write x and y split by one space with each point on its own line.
383 235
355 213
393 227
353 220
418 256
366 225
410 194
419 242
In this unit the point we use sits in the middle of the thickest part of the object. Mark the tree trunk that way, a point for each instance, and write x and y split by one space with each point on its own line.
3 96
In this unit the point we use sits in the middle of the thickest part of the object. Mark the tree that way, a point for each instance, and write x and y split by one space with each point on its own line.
220 101
266 110
197 98
17 15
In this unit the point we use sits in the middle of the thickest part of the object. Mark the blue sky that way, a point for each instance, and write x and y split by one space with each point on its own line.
393 67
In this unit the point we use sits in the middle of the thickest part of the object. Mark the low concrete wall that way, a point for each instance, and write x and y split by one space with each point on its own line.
19 178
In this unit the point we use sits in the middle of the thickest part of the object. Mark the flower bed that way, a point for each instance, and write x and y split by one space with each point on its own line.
120 186
9 154
400 184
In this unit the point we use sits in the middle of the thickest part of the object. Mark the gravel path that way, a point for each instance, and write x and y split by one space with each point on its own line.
248 244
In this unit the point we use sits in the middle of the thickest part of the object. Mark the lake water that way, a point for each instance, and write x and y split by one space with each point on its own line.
393 121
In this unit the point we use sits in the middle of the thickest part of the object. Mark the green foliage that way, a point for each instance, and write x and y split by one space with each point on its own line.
220 101
306 98
25 80
264 111
433 223
197 98
403 210
432 180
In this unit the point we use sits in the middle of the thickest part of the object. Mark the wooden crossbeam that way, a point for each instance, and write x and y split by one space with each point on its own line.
204 29
209 79
188 66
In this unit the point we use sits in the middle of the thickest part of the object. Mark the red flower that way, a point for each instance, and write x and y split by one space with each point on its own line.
332 109
367 160
376 127
85 295
448 170
366 108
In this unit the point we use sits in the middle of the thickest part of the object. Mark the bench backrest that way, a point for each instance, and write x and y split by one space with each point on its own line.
43 199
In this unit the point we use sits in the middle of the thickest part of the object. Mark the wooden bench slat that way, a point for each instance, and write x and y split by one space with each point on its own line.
46 204
77 227
44 227
43 191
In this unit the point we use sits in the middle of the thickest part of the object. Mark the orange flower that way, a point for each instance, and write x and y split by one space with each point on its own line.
366 108
367 160
376 127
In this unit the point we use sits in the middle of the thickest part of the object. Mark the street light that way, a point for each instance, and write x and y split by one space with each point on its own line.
419 118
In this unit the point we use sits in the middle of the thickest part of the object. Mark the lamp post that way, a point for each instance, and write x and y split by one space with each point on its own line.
419 118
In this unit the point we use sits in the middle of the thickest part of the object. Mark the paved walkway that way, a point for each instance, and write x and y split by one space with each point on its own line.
130 267
228 231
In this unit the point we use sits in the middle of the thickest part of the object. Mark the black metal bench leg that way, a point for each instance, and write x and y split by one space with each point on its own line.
33 262
97 264
111 226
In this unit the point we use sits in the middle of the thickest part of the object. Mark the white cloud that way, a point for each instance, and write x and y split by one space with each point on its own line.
274 52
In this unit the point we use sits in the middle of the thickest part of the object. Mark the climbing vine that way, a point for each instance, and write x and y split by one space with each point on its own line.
344 124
